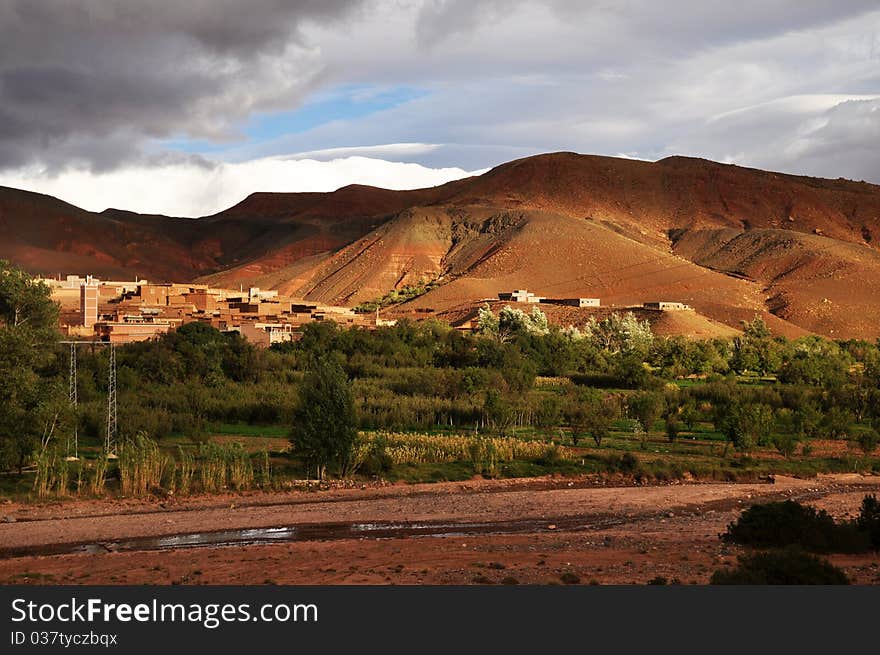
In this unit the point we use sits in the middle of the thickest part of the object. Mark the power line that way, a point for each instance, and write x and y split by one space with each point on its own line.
72 396
110 440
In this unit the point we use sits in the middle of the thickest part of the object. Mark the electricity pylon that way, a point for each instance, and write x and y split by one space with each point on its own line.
72 395
110 438
110 441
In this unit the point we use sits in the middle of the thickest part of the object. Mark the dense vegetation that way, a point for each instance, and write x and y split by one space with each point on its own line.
788 523
787 532
397 296
791 566
610 397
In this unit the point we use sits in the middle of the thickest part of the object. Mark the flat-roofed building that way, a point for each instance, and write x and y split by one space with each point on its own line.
520 295
201 300
572 302
667 306
129 331
88 304
266 334
154 294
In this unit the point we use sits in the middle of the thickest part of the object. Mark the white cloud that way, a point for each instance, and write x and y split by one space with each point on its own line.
767 84
388 151
193 189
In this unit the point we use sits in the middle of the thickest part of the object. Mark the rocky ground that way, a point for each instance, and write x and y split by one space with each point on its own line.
539 531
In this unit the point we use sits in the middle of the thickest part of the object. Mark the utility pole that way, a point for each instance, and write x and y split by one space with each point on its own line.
110 442
72 395
110 438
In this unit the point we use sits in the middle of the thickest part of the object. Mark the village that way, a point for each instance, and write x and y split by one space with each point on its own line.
127 311
119 311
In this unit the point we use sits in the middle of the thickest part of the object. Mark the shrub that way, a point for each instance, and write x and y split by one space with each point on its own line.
629 463
867 441
786 567
570 578
869 520
781 524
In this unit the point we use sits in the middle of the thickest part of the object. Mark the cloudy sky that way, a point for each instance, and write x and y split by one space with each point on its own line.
186 107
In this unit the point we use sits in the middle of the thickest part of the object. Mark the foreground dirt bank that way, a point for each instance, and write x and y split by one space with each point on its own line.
668 531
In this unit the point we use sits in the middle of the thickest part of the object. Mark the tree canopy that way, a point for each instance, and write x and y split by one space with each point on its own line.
324 421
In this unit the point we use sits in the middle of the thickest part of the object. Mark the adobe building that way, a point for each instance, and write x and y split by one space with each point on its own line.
266 334
521 295
123 312
666 306
572 302
131 329
88 303
201 300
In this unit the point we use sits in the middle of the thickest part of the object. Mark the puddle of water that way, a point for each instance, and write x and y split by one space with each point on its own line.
222 538
307 532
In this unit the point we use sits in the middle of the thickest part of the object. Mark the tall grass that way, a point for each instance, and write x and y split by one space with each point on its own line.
265 470
53 474
241 471
142 466
225 466
212 469
484 452
99 476
186 468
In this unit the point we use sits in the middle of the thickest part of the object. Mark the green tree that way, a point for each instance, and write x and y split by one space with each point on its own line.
498 411
672 427
836 423
324 421
487 322
786 443
620 333
600 414
34 408
755 350
748 425
867 441
511 323
868 520
646 408
689 414
816 361
589 412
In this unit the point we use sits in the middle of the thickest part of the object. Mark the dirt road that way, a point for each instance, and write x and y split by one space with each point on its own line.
526 531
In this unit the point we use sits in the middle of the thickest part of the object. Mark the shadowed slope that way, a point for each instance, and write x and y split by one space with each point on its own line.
731 241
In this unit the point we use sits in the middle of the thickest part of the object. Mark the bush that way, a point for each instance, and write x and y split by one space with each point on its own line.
869 520
786 567
777 525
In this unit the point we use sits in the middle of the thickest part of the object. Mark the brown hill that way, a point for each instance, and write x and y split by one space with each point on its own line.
731 241
46 235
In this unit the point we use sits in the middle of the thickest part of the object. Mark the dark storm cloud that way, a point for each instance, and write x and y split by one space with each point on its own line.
100 85
667 26
87 81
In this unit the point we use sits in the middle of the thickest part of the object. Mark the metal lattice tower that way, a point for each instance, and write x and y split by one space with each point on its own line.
110 442
73 402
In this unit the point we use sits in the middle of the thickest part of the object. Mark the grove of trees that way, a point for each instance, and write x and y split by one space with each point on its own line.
516 373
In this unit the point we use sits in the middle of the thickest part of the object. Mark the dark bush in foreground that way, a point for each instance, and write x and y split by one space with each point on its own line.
777 525
781 567
869 520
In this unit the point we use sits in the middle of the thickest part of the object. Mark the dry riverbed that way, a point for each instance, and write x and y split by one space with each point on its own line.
544 531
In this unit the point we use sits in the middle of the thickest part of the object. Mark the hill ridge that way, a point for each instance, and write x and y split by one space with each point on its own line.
553 220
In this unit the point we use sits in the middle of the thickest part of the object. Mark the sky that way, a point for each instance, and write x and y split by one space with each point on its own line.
184 108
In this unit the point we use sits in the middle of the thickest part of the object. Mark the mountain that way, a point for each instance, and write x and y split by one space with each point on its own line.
731 241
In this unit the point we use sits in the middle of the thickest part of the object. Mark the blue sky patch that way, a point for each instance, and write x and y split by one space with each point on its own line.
341 104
